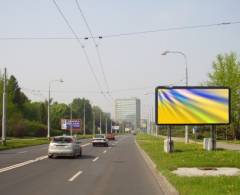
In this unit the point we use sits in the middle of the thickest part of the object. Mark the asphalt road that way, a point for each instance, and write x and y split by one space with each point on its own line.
115 170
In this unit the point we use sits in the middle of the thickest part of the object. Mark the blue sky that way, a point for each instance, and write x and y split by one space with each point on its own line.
130 62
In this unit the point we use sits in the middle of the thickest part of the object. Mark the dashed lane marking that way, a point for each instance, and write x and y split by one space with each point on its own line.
95 159
22 164
84 145
22 152
75 176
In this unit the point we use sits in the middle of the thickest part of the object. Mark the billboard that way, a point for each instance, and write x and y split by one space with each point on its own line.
192 105
66 124
116 127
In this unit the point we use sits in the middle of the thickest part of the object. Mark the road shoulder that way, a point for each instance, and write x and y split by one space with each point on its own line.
166 187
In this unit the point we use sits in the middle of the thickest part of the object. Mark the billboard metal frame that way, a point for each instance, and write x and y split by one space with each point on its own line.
192 87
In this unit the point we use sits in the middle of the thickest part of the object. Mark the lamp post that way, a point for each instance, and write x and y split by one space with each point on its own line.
186 72
4 108
49 97
100 122
71 119
84 119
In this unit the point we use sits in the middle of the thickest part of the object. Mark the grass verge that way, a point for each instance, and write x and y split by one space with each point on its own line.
192 155
20 143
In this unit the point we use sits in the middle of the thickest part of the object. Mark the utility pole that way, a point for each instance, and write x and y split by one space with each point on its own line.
49 102
150 121
84 120
48 132
93 123
4 116
111 126
100 122
71 118
106 126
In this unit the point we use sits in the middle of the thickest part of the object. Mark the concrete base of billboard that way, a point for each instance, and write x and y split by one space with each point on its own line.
168 146
209 144
207 171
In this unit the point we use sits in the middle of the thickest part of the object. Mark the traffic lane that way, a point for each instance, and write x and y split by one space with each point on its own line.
121 170
19 155
47 176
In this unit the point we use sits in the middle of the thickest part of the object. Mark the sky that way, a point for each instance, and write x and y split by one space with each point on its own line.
133 65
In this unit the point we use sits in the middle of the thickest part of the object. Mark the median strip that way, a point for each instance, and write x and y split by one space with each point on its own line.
75 176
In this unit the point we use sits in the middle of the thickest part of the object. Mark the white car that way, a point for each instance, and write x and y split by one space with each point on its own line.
64 146
100 140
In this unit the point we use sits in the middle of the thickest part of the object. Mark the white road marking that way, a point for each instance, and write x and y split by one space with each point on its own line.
75 176
22 152
22 164
104 151
85 144
95 159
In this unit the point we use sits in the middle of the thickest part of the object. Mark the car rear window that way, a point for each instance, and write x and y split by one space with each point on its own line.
62 140
99 136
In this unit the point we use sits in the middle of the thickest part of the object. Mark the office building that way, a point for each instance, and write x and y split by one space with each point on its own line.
128 111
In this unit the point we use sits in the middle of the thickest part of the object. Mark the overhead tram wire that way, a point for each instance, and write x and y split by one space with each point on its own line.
96 46
180 28
170 29
81 44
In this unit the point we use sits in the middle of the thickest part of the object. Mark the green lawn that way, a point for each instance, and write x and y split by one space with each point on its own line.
192 155
20 143
30 141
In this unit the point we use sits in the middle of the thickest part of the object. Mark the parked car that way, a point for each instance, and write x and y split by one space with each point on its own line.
100 140
111 136
64 146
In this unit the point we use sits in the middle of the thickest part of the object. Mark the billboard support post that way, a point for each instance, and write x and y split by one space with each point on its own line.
213 137
168 143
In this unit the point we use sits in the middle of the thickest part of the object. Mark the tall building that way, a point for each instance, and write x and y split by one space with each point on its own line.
128 111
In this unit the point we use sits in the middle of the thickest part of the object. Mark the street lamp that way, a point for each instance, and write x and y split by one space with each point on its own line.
49 96
185 58
186 72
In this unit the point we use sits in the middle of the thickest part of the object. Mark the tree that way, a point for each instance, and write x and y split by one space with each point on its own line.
58 111
78 112
15 95
226 72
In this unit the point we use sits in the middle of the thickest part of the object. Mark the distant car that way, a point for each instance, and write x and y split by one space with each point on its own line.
134 132
111 136
100 140
64 146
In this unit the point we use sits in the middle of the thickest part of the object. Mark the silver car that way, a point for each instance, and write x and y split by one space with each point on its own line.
100 140
64 146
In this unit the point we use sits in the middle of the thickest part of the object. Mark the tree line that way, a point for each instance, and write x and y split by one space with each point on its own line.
27 118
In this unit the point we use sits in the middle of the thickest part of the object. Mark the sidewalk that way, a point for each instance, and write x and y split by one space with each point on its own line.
220 144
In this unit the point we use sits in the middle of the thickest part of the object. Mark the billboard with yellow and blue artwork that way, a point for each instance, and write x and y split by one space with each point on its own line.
192 105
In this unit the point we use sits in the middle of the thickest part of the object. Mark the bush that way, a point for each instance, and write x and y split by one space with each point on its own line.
35 129
22 128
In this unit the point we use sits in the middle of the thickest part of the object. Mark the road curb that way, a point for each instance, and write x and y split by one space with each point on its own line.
166 187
